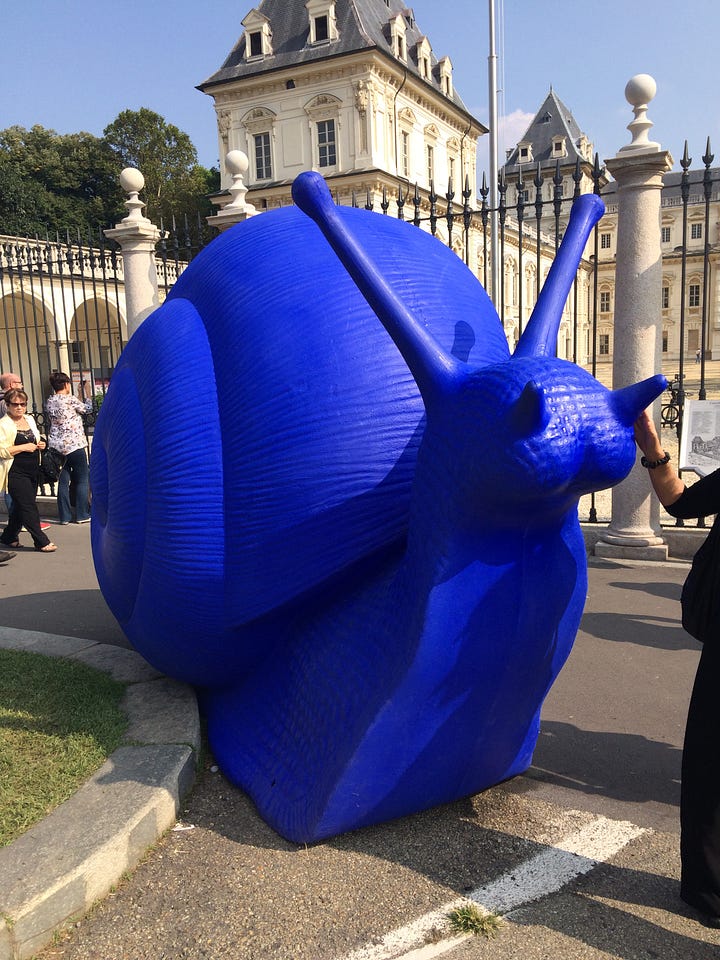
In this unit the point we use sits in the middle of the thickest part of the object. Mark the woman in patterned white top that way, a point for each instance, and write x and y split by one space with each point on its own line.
67 436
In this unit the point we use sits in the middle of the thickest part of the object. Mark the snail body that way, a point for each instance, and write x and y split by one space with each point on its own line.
389 571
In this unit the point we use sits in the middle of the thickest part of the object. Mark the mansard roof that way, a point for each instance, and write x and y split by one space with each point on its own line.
362 25
552 120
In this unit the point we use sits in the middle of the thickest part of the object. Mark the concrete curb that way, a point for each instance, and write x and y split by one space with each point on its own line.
73 857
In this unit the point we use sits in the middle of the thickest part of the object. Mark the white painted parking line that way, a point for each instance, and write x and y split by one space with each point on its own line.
545 873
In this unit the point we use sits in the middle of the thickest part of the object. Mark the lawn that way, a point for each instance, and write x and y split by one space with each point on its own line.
59 721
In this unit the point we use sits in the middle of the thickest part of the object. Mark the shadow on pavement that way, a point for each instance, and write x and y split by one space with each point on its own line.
622 766
67 613
612 912
661 633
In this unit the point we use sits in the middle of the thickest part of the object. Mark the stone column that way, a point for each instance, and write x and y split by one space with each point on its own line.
63 354
137 237
236 163
638 168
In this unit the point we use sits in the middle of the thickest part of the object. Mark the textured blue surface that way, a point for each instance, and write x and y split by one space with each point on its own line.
358 538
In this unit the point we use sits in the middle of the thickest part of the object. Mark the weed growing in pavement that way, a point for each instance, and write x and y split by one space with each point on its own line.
469 918
59 721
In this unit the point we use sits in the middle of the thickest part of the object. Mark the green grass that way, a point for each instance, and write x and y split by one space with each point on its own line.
469 918
59 721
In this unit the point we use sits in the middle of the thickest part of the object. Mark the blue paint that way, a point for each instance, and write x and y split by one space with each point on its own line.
326 495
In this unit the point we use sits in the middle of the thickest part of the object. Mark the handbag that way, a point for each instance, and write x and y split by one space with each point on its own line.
700 597
51 464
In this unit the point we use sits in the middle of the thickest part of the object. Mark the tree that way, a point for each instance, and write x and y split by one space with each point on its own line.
175 184
59 182
56 182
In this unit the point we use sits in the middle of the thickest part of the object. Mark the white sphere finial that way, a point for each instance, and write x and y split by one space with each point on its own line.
132 182
237 162
639 91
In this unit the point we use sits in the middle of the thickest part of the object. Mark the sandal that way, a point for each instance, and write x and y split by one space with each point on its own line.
15 543
48 548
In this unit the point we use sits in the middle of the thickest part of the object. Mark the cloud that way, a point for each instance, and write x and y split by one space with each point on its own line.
510 129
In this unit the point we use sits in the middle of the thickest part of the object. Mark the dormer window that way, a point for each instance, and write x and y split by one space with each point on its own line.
258 36
525 154
397 37
445 73
423 52
558 147
321 21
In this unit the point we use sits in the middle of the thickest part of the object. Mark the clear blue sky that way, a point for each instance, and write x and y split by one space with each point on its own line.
73 65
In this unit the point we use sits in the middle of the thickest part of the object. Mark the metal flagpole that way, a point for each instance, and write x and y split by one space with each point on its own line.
492 93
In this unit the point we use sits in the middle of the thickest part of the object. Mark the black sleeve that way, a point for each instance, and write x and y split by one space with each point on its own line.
700 500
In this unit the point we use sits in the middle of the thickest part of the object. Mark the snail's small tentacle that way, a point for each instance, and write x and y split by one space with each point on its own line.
629 402
530 414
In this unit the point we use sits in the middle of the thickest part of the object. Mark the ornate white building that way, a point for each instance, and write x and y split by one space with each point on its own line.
353 90
349 88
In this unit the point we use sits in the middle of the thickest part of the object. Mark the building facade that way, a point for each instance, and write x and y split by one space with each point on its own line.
354 90
690 244
350 88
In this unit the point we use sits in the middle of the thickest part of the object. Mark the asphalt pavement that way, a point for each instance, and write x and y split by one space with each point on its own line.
580 854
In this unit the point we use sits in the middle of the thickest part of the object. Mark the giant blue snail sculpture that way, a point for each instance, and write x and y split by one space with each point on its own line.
326 495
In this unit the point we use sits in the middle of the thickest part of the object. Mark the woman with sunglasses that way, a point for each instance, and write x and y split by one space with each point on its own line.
20 444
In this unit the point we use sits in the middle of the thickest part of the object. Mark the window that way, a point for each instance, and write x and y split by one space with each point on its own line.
258 35
604 343
423 52
694 295
664 341
397 36
604 241
445 76
327 155
77 353
604 301
665 298
259 124
322 23
322 31
405 153
696 231
430 158
665 234
525 153
263 160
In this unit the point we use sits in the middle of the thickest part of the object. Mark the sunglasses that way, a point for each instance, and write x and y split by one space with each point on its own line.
20 404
